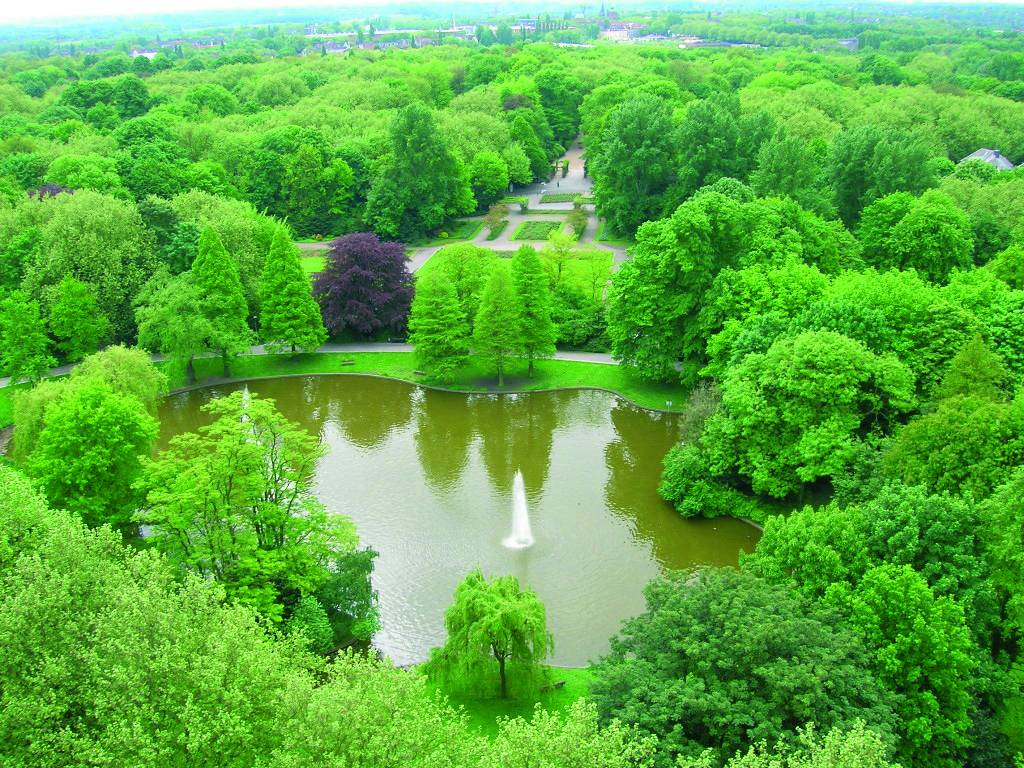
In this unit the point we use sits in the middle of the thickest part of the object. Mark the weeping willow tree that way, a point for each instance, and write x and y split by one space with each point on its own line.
495 629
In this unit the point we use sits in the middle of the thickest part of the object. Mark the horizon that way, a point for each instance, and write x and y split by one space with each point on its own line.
60 12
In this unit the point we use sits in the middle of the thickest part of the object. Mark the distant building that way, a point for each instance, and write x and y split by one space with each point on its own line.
991 156
423 42
144 54
850 43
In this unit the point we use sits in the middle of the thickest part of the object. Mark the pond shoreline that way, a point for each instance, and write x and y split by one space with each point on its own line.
216 381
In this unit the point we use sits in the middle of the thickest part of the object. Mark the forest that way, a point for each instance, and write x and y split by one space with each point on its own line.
812 249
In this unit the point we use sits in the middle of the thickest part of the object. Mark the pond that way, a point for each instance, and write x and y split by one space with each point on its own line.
428 478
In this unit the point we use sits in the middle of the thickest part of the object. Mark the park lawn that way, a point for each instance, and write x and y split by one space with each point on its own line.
605 234
475 376
500 227
457 230
483 714
313 264
559 197
535 230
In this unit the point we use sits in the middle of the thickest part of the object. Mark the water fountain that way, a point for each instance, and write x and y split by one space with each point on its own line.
521 536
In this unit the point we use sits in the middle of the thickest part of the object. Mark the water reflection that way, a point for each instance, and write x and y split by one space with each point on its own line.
428 477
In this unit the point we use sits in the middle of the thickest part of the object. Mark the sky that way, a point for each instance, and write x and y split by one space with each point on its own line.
48 10
43 11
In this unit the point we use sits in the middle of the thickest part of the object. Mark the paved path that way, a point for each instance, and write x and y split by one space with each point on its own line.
368 346
574 182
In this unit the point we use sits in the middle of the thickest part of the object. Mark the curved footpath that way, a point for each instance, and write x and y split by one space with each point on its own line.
579 357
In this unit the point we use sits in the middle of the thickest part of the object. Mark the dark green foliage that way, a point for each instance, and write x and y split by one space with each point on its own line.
722 659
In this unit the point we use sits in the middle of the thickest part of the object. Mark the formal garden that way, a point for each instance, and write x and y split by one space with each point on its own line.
514 399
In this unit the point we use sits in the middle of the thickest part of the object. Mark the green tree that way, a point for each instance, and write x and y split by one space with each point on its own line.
524 136
76 321
437 327
215 275
495 628
722 660
537 332
289 315
421 183
787 166
921 650
127 371
797 412
496 333
635 162
23 340
856 747
172 320
467 267
89 452
488 175
234 502
1003 518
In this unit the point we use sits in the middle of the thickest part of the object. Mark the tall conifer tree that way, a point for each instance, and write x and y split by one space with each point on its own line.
438 327
496 331
537 331
215 276
289 315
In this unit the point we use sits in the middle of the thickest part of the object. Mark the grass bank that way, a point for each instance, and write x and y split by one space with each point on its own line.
475 376
483 714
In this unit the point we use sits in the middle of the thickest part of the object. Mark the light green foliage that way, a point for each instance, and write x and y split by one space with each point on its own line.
127 370
421 184
245 482
856 747
555 741
524 137
467 267
88 453
100 241
437 327
895 313
921 650
634 164
488 175
722 660
796 413
309 619
172 320
289 315
215 276
974 437
207 680
536 330
788 167
75 319
496 333
929 234
497 638
85 172
1003 518
23 340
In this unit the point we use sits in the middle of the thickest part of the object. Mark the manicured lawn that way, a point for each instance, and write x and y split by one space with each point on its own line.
483 714
605 234
313 264
500 227
458 230
535 230
558 197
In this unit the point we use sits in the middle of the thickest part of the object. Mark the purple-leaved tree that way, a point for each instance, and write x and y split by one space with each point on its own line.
365 287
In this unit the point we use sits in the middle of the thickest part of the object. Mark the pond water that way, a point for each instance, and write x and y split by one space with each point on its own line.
428 478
